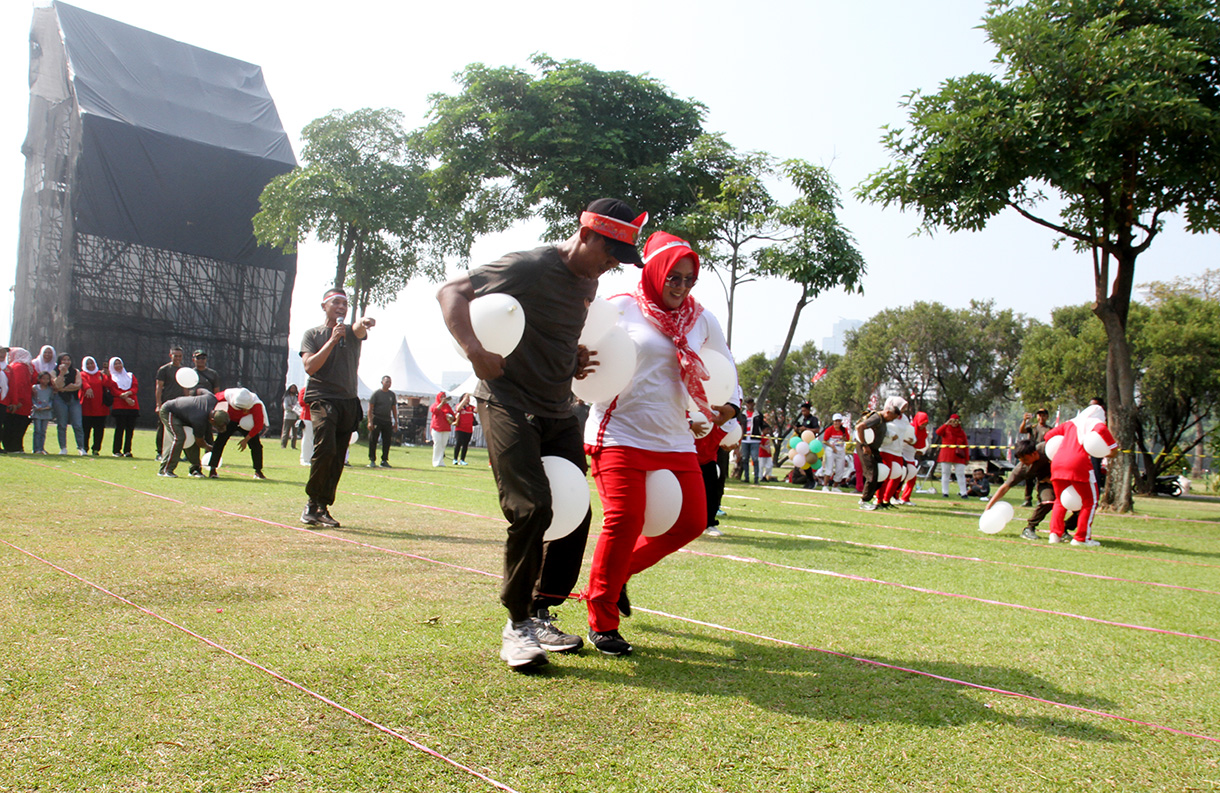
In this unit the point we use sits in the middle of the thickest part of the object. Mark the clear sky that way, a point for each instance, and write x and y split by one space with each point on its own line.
804 78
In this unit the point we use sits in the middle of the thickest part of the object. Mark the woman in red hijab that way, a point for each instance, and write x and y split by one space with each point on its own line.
645 429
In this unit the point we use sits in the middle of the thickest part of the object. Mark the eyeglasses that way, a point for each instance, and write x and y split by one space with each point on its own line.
677 281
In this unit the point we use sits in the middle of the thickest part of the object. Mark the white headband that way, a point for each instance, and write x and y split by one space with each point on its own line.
667 246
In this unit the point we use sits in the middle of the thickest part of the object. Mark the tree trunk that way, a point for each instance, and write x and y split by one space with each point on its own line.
769 383
347 241
1120 404
728 325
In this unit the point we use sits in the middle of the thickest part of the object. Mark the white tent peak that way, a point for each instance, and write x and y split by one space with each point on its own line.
407 379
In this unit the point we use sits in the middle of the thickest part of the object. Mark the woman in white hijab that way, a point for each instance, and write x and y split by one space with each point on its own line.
45 361
93 408
126 407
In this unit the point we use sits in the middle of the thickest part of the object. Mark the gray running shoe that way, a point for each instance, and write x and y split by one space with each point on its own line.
1029 534
550 638
867 506
519 645
712 531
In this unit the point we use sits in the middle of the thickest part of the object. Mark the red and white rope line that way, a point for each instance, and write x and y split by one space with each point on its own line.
956 557
715 626
282 678
926 591
993 539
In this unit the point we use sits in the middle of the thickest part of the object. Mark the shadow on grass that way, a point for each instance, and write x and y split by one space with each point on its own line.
811 685
747 544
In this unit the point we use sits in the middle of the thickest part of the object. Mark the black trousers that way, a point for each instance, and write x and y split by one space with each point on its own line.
13 433
97 426
1046 501
461 442
218 447
334 421
172 425
537 574
868 470
383 431
124 429
714 475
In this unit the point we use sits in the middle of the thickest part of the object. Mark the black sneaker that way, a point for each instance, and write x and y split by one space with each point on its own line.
550 638
310 516
1029 534
609 643
196 474
1027 503
323 516
259 475
385 464
213 475
168 474
624 605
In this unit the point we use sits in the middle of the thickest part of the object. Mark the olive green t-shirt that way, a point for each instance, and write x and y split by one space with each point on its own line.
336 379
538 373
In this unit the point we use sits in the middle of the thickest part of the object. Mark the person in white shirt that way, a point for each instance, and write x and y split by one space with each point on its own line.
645 428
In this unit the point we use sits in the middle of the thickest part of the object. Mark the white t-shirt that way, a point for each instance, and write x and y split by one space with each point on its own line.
895 431
650 413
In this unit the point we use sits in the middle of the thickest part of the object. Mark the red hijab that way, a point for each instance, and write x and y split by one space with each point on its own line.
661 252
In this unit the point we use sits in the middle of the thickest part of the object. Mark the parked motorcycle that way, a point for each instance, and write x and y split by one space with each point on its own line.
1169 485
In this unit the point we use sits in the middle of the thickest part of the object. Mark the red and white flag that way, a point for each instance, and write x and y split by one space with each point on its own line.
818 376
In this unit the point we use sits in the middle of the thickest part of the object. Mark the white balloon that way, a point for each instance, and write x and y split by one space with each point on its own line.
1070 499
1096 445
897 471
189 432
731 435
912 471
1052 446
206 459
615 356
355 436
569 496
662 502
867 435
699 425
601 318
799 460
883 472
802 448
246 423
498 322
187 378
723 376
994 519
909 433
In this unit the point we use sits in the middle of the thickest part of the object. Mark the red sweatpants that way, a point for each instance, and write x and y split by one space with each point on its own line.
622 549
1084 520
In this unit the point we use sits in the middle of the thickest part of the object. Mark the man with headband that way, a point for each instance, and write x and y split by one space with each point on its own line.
525 408
331 354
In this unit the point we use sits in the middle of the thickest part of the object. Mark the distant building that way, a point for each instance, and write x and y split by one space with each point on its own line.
837 344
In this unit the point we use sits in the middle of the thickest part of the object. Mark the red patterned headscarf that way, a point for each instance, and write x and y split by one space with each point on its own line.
661 252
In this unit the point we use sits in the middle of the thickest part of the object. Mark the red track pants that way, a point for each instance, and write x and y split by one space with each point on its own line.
622 549
1084 520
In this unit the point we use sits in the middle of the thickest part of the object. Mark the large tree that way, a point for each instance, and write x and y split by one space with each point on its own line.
1104 118
362 188
943 360
512 144
1175 343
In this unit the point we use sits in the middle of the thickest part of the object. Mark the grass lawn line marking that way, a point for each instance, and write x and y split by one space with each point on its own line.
973 559
743 498
423 506
1045 547
288 681
277 524
926 591
932 675
742 632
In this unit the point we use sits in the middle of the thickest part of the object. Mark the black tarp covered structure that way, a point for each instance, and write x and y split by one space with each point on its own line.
145 158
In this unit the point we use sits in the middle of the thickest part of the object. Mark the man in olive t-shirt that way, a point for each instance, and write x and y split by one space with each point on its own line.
525 409
331 354
383 422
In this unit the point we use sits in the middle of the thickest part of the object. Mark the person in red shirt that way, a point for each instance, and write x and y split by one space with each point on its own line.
94 384
19 400
241 404
954 454
463 429
442 421
126 407
834 459
1072 465
920 423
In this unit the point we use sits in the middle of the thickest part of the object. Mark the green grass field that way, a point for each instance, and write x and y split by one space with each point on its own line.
813 648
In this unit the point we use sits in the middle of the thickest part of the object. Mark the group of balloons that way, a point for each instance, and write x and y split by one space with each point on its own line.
806 451
993 520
